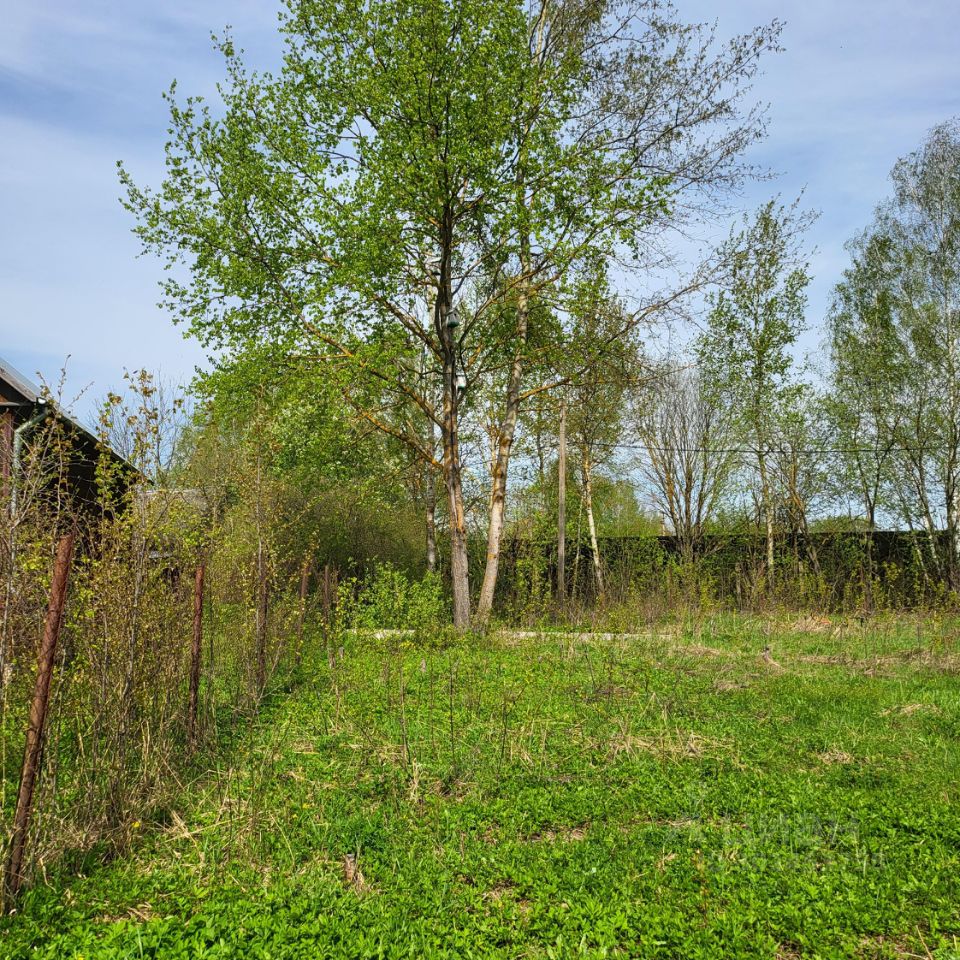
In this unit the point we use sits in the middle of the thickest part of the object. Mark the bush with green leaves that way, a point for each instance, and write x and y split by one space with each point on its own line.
390 600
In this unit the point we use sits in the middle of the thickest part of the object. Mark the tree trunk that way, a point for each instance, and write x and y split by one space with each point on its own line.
592 526
498 500
562 507
501 464
871 530
767 515
953 512
33 747
931 530
459 565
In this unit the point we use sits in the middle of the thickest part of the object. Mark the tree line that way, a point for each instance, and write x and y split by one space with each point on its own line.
439 227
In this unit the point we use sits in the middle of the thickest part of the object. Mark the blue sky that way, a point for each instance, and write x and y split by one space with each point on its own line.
859 84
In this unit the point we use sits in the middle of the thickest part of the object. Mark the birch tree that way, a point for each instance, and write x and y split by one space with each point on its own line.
673 103
896 346
418 173
604 364
752 327
688 458
864 367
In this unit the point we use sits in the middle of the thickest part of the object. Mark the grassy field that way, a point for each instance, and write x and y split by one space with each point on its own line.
675 793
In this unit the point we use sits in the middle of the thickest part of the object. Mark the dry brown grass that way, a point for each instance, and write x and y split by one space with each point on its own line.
835 756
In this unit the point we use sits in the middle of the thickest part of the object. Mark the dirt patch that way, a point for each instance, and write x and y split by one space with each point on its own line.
561 834
788 951
499 891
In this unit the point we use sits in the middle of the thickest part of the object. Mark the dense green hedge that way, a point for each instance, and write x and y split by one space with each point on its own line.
839 570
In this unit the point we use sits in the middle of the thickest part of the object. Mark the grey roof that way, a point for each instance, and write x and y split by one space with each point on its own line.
34 395
26 388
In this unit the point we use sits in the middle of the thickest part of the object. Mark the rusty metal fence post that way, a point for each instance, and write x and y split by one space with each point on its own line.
33 746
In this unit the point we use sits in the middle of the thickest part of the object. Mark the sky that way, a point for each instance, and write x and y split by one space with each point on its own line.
859 84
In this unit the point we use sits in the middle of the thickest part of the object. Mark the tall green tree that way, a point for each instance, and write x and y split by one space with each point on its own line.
607 363
895 337
752 327
864 368
653 96
417 173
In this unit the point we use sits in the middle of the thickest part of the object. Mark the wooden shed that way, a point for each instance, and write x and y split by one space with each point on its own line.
24 409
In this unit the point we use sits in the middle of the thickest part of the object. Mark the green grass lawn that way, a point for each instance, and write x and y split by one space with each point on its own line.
670 794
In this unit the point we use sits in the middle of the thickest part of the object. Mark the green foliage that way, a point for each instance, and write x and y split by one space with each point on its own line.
894 340
754 323
405 153
531 593
747 359
568 796
619 512
390 131
389 600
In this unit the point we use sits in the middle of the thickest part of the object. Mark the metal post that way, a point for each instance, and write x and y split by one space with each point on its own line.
33 746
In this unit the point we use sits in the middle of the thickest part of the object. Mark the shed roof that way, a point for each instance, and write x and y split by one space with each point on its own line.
14 379
19 390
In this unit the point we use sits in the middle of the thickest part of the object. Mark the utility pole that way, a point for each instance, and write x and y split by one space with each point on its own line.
562 507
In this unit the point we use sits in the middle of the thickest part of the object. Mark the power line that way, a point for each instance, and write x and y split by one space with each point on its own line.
817 451
804 451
